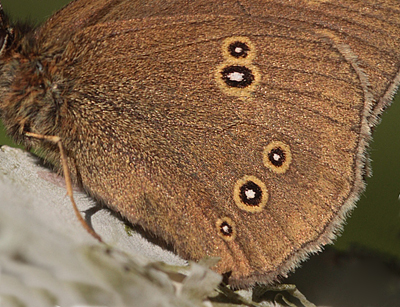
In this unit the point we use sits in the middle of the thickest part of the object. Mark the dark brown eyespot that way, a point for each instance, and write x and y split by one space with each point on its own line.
277 157
250 194
237 76
238 50
226 228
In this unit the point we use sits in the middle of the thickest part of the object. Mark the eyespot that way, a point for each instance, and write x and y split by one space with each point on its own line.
277 157
250 194
237 76
237 80
238 49
226 229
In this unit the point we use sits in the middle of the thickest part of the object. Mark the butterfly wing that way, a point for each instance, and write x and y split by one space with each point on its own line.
241 136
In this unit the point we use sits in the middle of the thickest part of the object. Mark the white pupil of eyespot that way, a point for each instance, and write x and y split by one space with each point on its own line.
250 194
238 50
236 76
276 157
225 229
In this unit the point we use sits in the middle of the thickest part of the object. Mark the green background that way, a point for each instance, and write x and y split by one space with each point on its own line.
375 224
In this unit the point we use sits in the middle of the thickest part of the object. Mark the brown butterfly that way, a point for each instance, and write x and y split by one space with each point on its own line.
236 129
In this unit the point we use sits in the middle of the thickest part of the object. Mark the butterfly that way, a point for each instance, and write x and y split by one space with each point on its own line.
236 129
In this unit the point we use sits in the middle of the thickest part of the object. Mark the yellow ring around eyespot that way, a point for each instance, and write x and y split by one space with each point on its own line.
234 91
288 157
264 194
231 224
243 39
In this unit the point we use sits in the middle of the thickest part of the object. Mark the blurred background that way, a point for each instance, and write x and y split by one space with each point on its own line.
372 234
